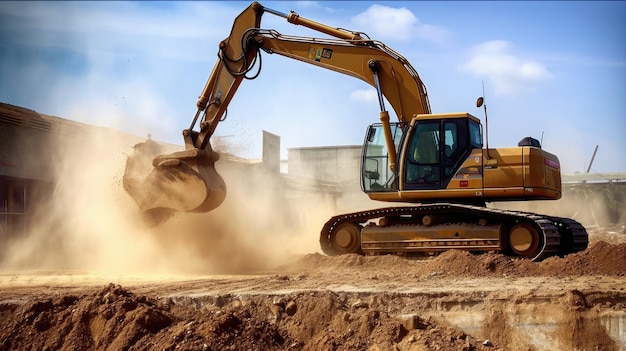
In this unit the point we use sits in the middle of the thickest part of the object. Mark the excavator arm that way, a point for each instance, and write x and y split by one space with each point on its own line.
187 181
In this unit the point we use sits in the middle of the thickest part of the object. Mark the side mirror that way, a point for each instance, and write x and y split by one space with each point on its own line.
480 101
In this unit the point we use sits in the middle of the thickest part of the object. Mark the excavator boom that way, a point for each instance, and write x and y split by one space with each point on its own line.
186 181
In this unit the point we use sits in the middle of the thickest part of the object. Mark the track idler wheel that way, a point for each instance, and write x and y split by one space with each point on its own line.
524 240
346 239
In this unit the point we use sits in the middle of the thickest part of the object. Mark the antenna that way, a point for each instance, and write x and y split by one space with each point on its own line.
592 157
481 102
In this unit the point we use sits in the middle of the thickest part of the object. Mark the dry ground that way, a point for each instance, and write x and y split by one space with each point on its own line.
455 301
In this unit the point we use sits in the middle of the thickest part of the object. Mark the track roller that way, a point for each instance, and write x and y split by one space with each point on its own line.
524 240
346 238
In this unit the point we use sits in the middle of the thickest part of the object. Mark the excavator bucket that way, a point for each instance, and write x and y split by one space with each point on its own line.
184 181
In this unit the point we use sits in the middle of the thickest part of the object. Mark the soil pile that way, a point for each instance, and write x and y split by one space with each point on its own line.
600 258
114 318
346 302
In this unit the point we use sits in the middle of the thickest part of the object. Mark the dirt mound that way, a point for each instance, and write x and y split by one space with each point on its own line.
114 318
111 318
601 258
326 303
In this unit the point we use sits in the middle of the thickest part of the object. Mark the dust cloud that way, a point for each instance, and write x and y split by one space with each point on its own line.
593 207
90 224
85 223
256 228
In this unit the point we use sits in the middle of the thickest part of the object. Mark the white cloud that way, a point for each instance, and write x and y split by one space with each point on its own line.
388 23
365 96
507 74
308 5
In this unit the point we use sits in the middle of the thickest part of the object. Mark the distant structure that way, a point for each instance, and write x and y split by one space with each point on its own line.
29 154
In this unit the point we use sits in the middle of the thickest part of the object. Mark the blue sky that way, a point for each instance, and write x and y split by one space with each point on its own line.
552 70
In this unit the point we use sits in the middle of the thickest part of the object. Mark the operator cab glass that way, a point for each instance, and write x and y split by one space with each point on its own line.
476 135
375 173
436 150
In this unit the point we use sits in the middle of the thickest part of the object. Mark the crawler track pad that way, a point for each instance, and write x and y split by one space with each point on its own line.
183 181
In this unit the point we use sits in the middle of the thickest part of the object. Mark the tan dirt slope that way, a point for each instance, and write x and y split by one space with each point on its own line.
455 301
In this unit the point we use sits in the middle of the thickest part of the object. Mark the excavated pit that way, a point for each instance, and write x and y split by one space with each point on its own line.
455 301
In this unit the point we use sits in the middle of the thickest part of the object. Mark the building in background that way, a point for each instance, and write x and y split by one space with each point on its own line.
33 148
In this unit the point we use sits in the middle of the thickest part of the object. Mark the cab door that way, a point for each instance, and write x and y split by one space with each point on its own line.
436 150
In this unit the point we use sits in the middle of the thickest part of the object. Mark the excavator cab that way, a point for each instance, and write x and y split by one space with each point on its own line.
440 157
436 149
430 152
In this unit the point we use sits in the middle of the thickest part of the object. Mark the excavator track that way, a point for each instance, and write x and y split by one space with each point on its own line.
574 237
432 228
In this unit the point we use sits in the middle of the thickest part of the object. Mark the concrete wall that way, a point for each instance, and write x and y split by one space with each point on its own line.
338 164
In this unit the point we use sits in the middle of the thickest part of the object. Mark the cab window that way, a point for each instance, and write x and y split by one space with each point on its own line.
423 154
375 172
455 145
476 135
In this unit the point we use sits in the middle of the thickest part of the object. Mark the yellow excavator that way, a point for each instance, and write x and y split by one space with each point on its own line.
435 163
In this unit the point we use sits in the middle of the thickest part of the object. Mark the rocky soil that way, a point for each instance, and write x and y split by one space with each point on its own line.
455 301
